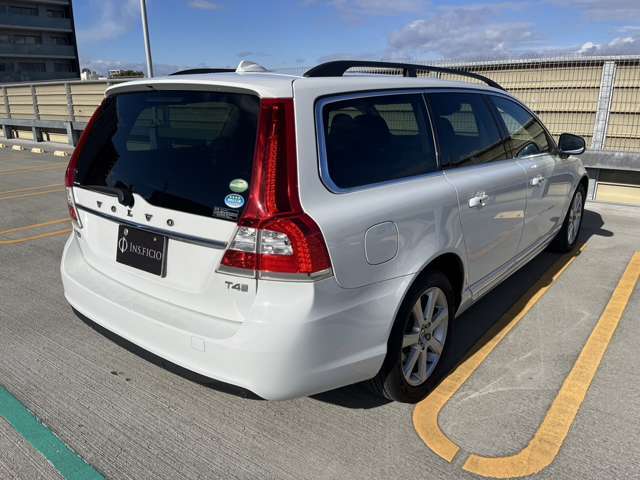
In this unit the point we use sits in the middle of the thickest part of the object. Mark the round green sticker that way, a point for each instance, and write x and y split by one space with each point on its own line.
238 185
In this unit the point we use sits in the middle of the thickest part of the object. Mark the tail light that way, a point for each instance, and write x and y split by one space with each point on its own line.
70 174
275 237
73 211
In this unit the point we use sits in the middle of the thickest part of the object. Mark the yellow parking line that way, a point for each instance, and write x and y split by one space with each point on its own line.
35 237
32 194
39 168
30 189
547 441
425 415
35 225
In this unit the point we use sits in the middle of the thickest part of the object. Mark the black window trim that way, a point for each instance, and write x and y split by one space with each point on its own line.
502 128
321 147
423 91
483 94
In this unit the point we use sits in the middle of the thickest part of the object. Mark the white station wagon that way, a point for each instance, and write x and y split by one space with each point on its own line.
294 234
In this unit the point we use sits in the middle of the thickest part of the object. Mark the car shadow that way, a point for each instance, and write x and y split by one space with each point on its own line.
472 330
165 364
482 321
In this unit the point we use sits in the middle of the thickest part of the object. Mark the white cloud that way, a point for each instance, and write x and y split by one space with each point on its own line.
114 18
604 10
627 45
463 32
204 5
354 8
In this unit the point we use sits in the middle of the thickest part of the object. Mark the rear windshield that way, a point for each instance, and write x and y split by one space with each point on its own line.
190 151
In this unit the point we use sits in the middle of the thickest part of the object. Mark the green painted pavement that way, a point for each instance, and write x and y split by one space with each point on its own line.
70 465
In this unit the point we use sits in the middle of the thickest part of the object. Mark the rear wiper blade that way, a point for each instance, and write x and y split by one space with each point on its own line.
124 194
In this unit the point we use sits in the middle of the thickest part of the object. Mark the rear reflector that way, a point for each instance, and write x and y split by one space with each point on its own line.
73 211
274 234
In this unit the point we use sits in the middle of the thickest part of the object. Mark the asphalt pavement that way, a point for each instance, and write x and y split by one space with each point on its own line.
130 415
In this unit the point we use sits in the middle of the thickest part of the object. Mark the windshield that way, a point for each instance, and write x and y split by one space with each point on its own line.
190 151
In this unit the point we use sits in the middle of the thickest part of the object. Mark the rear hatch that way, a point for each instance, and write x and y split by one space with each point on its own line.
160 182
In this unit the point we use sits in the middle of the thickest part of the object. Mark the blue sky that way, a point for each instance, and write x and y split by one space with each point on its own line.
286 33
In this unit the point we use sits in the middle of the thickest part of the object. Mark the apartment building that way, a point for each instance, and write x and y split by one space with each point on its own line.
37 41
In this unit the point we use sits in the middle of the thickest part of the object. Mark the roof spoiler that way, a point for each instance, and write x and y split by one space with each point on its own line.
196 71
245 66
337 68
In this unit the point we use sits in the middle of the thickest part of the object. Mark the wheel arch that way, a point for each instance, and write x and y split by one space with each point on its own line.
584 182
449 264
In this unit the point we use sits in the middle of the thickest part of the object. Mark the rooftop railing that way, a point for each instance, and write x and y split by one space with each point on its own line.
597 98
49 111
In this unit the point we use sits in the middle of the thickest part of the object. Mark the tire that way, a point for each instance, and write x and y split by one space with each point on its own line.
392 382
567 238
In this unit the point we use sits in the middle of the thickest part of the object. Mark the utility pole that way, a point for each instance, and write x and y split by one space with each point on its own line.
145 30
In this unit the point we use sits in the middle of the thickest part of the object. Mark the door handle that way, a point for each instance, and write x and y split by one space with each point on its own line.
478 200
536 181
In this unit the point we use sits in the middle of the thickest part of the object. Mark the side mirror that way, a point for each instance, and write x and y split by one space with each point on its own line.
570 144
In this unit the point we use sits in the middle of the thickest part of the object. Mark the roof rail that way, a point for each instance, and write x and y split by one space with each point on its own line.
337 68
195 71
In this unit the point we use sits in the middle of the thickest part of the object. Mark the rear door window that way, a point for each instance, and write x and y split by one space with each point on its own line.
375 139
466 130
182 150
527 135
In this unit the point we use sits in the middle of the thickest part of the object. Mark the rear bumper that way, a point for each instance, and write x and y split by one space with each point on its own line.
299 338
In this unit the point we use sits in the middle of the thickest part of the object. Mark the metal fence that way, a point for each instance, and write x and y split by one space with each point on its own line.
596 97
49 111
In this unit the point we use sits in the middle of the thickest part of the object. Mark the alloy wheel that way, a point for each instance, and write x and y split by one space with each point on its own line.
575 217
424 337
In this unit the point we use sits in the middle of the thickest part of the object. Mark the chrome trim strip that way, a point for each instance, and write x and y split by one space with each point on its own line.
296 277
237 272
274 276
322 148
321 102
203 242
320 133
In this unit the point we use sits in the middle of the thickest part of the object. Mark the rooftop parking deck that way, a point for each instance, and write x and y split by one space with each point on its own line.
548 358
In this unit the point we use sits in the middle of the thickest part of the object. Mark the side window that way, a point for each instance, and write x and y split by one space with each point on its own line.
526 134
374 139
466 130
